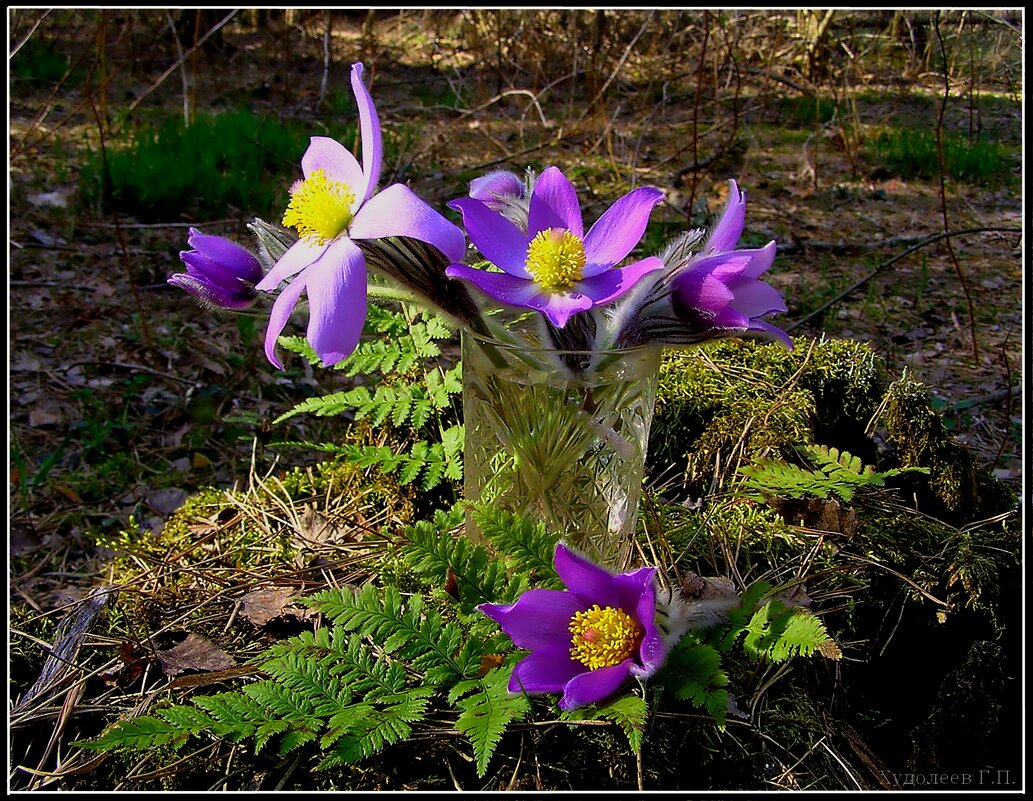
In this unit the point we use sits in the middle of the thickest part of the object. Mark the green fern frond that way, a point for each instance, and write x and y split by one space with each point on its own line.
523 543
774 630
435 461
486 713
405 338
365 729
149 731
693 672
836 472
300 346
401 350
803 635
724 637
408 629
437 554
406 405
629 712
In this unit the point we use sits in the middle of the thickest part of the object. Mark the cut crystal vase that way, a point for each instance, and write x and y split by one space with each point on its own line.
559 436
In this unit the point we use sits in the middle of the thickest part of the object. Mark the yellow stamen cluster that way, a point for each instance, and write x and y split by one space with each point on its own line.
602 637
556 259
319 208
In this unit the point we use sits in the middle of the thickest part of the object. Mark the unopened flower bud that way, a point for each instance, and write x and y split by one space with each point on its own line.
219 272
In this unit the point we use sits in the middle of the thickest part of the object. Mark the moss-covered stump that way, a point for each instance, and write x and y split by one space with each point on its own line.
736 400
917 576
957 489
917 605
732 403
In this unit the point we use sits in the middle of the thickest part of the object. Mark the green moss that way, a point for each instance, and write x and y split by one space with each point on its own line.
957 488
736 399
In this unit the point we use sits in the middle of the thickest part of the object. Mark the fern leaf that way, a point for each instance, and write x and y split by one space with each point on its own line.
142 732
524 543
409 630
485 714
630 713
293 740
237 716
804 635
693 671
282 701
836 472
436 553
311 679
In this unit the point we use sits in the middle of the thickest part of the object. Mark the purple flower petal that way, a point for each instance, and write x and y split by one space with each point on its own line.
337 301
544 671
337 163
372 141
761 261
225 296
553 205
280 314
634 587
594 685
726 233
498 239
233 257
639 589
495 186
503 287
215 273
201 266
539 618
513 291
559 306
767 329
728 319
397 211
611 284
583 577
755 299
700 295
652 653
615 234
299 256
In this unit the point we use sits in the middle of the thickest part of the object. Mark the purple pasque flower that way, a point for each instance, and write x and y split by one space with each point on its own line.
333 206
219 271
706 292
554 267
719 289
587 640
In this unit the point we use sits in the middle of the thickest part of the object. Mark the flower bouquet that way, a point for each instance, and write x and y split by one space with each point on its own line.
560 336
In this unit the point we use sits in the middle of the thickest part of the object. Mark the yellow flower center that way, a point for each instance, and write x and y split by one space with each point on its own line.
319 208
556 259
602 637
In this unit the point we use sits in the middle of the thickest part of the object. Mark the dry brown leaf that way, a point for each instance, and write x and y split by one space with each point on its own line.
194 653
315 530
261 606
47 413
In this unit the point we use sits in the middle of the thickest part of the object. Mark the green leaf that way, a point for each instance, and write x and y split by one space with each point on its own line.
487 712
693 672
836 473
630 713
